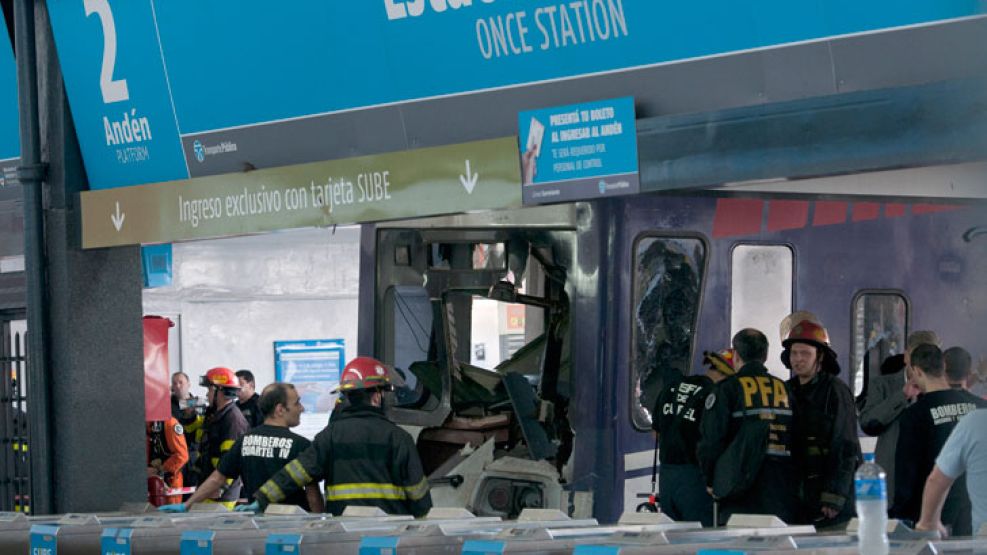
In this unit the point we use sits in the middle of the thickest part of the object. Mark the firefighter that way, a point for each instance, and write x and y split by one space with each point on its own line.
223 426
746 446
167 452
830 450
364 458
678 414
263 451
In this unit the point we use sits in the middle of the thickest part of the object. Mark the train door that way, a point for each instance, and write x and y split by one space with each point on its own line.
665 262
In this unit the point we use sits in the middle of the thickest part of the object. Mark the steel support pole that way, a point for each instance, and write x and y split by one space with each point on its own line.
31 176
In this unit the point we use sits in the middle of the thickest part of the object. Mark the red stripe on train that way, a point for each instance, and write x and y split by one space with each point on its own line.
932 208
863 211
737 216
894 210
829 212
787 214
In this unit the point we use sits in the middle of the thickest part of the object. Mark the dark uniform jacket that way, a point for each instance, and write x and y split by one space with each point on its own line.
747 444
251 412
677 417
259 454
222 429
925 426
364 459
830 449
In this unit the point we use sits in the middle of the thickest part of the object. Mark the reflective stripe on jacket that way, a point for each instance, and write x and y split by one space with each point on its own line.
365 460
222 429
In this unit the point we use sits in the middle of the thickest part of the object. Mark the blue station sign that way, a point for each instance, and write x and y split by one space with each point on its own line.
10 136
147 79
579 151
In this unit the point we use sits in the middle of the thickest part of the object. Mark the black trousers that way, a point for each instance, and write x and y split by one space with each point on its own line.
775 492
682 494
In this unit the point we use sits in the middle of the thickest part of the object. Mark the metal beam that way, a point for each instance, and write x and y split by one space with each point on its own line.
39 431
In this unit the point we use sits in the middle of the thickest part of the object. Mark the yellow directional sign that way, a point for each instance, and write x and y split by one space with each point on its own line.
482 175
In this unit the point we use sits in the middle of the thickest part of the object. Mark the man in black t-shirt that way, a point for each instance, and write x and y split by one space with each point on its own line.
682 491
262 452
924 428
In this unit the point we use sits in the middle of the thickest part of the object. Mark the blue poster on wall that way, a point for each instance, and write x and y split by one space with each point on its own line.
579 151
313 366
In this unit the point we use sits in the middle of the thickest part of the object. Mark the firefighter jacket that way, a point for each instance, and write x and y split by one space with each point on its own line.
830 447
364 459
748 422
222 429
167 451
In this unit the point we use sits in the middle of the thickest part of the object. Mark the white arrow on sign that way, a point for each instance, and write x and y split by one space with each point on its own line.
118 218
469 180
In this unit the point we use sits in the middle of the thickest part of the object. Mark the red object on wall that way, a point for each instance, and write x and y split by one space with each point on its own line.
157 381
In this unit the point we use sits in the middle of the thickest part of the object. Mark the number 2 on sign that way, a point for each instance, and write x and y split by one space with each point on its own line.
113 91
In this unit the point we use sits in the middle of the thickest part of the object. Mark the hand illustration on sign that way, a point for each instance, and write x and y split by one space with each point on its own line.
529 166
529 160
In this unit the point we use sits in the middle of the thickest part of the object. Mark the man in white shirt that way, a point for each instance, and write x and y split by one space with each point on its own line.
965 452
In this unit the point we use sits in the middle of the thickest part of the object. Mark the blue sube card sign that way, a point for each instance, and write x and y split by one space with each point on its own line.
579 151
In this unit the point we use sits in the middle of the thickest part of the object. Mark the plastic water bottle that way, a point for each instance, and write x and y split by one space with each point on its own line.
872 507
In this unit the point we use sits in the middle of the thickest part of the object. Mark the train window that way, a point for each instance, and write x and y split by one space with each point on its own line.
880 319
668 273
484 256
497 331
409 320
761 294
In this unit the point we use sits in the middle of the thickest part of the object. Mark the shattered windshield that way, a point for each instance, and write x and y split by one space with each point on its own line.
667 285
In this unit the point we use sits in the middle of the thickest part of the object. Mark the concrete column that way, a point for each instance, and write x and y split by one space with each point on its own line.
95 342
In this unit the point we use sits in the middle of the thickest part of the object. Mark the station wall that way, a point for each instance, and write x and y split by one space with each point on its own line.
231 299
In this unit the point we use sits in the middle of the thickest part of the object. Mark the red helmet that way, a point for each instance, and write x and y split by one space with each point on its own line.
811 333
364 373
220 377
724 361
